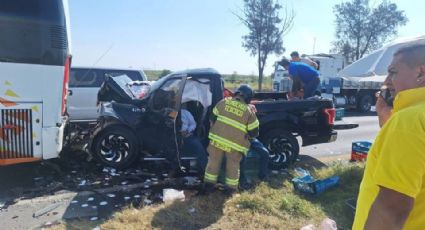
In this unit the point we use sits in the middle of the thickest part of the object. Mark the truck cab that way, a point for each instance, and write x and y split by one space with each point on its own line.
129 128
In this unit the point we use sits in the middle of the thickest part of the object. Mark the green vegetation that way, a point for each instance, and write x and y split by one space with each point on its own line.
231 81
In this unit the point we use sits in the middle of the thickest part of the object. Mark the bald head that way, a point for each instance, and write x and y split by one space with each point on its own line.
413 55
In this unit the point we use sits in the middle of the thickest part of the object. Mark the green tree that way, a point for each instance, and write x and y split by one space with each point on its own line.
266 28
361 28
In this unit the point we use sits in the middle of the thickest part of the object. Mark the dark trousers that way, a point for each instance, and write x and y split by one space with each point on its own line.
263 160
311 87
192 146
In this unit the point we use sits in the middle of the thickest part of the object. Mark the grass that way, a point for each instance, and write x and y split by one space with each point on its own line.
273 205
231 81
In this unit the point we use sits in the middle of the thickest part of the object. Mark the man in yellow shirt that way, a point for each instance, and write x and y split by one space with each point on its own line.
392 193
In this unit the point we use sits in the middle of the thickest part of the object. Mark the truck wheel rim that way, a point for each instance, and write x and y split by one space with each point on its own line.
281 150
114 148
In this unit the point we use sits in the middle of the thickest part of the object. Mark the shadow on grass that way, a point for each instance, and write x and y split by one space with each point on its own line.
195 213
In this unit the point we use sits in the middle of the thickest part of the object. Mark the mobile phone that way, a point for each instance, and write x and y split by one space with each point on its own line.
386 94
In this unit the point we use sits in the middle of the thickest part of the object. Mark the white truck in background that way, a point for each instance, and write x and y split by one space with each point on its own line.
355 86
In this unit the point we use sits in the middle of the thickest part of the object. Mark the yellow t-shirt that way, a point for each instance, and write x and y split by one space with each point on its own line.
397 159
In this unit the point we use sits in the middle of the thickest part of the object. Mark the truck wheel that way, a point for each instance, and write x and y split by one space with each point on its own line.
116 147
364 103
283 148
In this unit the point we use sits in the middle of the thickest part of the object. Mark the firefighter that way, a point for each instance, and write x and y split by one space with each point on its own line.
233 125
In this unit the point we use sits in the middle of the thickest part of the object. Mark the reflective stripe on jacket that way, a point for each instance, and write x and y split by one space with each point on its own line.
235 123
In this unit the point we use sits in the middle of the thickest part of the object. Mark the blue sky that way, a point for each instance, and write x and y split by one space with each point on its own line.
181 34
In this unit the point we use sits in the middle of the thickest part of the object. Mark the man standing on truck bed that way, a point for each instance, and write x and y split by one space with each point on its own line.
233 124
300 72
295 57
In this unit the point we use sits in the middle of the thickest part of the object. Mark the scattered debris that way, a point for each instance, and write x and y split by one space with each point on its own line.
192 210
307 184
191 181
103 203
2 204
326 224
48 224
308 227
45 210
351 203
82 183
111 195
172 194
147 202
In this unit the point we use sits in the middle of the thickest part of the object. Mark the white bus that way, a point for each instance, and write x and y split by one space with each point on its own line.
34 71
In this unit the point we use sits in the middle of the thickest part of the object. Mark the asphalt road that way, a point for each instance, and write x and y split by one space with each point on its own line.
367 130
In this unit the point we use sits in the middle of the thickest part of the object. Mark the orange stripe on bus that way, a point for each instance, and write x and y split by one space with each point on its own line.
18 160
7 103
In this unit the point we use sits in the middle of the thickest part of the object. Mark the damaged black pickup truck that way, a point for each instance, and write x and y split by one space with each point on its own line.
147 127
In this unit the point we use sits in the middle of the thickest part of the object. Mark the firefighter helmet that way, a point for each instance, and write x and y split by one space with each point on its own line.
246 92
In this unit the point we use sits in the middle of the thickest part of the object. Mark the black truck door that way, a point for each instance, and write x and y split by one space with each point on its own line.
163 116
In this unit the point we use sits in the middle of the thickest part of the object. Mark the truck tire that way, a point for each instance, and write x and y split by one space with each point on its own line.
283 148
116 146
364 103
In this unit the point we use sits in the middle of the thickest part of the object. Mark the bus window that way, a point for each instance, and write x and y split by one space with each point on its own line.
33 32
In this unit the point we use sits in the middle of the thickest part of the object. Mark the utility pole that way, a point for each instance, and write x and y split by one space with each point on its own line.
314 45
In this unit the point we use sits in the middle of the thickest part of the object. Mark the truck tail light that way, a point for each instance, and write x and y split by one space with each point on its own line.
65 84
330 115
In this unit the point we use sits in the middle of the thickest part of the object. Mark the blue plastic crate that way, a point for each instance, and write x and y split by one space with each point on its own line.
323 185
310 186
361 147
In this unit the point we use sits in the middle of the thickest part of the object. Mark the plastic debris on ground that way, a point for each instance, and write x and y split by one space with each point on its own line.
352 202
172 194
147 202
46 210
191 181
359 150
111 195
326 224
191 210
307 184
103 203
